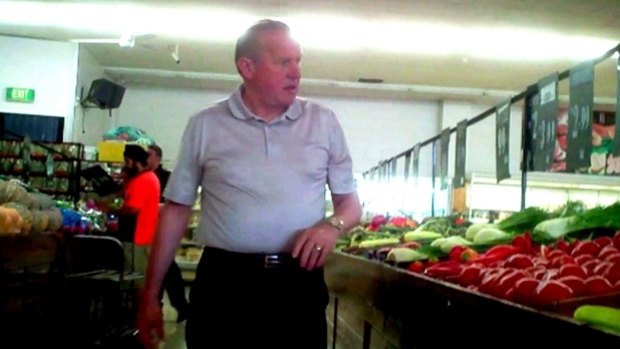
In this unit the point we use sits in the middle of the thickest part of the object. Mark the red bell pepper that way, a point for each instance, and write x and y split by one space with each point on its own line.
523 242
444 270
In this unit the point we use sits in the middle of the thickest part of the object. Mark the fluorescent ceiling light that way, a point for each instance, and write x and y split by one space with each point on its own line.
325 32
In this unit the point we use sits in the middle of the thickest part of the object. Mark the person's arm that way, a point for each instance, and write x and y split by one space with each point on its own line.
316 243
173 221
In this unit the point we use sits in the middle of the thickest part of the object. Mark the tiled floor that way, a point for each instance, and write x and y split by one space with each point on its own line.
174 333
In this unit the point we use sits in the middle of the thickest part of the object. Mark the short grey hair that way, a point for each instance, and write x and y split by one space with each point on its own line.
249 45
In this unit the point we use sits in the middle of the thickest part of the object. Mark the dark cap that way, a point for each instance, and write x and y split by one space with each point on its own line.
136 153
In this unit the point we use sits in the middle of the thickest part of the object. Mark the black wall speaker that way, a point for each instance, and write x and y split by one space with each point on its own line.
105 94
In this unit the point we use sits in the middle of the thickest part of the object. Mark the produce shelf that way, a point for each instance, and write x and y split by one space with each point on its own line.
375 305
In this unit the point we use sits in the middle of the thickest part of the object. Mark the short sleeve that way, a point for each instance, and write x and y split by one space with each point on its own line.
187 174
340 166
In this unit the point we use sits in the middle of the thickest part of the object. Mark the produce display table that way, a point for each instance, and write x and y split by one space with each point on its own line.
375 305
28 286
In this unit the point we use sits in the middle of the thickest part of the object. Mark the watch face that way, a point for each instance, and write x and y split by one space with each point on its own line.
336 223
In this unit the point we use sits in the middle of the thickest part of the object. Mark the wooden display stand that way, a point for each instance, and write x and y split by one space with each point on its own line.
374 305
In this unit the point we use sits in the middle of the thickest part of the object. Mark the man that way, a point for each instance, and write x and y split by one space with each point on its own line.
173 281
141 202
262 159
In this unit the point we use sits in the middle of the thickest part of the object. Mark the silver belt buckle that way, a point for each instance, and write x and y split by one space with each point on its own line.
272 261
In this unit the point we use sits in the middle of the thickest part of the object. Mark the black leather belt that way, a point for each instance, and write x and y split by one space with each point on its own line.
259 260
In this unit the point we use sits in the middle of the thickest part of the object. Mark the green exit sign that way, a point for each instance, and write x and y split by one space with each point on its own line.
17 94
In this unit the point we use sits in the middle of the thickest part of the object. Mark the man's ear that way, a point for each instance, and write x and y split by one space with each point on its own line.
246 67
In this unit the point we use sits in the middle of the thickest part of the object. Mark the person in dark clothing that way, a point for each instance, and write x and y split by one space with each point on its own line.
173 281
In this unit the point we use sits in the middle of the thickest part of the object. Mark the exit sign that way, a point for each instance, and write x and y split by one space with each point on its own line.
17 94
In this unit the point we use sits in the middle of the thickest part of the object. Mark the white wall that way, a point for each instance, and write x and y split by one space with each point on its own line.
375 129
49 68
90 123
163 112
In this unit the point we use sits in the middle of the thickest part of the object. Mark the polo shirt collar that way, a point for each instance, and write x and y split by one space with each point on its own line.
240 111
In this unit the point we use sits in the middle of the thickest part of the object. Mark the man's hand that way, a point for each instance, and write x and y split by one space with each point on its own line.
150 322
314 244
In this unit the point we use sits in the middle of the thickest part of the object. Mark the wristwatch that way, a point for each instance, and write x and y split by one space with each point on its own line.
337 223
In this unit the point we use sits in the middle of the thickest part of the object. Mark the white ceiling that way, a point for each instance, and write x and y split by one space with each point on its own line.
205 63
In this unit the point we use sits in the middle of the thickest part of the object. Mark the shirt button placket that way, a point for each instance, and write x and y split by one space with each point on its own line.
267 139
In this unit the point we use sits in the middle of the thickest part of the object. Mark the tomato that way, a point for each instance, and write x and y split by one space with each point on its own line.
601 268
617 286
597 285
617 240
524 290
470 275
613 273
540 261
553 254
509 280
573 270
443 270
519 261
539 274
586 247
563 246
552 291
606 251
491 280
590 265
603 241
612 258
561 260
582 259
576 284
416 267
468 254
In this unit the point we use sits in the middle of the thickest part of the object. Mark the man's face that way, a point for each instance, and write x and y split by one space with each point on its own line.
153 160
130 168
277 70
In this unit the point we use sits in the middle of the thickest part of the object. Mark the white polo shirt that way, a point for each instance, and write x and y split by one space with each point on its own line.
262 183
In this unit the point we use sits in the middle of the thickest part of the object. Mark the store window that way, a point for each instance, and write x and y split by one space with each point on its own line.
39 128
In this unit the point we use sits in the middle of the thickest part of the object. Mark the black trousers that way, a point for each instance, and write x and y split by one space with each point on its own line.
238 301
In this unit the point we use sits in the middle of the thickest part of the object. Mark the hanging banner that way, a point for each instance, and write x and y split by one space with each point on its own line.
502 141
578 140
617 143
407 164
544 117
460 149
394 169
443 158
415 171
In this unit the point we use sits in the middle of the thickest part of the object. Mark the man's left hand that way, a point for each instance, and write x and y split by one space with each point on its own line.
314 244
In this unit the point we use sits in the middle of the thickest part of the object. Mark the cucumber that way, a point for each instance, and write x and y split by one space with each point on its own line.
404 254
379 243
598 315
421 235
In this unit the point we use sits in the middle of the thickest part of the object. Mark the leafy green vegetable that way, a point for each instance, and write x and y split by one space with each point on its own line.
596 218
523 220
